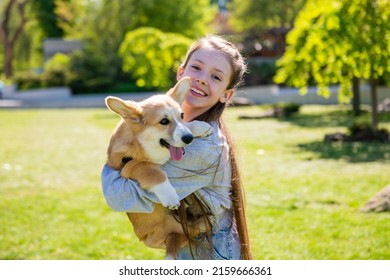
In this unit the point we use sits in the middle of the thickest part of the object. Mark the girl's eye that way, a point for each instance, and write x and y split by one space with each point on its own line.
164 121
196 67
217 78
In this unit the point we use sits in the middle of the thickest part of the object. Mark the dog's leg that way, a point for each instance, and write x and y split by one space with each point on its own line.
166 194
200 129
153 179
197 221
202 224
174 242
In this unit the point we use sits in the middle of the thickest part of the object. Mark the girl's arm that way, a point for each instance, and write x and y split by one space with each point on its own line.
124 194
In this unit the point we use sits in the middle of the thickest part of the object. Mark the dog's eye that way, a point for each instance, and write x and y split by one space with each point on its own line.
164 121
182 115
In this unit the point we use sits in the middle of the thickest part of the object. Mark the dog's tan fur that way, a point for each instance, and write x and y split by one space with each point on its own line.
135 149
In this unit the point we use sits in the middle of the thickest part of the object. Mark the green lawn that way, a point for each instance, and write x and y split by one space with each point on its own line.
303 196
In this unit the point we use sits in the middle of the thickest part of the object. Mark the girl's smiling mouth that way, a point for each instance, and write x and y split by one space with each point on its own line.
197 92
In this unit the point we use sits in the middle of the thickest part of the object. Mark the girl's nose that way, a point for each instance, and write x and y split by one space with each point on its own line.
200 77
201 80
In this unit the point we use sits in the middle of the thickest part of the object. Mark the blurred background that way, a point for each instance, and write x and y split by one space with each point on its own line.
112 46
101 46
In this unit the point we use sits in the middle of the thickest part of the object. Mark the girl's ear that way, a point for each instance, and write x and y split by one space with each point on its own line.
226 96
179 73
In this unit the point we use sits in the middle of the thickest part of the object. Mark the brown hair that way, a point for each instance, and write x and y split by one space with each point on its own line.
214 114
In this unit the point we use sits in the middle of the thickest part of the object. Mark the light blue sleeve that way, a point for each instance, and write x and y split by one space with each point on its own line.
122 194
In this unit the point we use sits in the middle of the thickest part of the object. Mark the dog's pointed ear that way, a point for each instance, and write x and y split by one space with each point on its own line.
128 110
181 89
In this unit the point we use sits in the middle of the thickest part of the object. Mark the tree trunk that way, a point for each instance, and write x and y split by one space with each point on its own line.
8 39
356 96
8 55
374 103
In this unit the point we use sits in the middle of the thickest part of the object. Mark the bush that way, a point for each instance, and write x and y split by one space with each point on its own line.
56 71
289 108
28 80
260 73
55 78
363 131
125 87
152 69
88 73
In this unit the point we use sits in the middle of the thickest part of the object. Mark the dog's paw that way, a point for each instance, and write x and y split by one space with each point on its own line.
207 131
174 207
200 129
167 195
171 203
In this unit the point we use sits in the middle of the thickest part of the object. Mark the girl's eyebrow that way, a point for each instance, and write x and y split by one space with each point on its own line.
216 69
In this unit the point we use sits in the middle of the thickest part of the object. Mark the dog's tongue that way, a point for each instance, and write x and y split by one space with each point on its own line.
176 153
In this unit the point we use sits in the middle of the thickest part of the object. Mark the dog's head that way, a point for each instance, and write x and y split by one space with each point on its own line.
157 122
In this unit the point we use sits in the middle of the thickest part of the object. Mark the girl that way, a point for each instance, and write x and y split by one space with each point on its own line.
207 177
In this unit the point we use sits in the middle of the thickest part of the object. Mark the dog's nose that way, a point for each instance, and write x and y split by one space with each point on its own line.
187 138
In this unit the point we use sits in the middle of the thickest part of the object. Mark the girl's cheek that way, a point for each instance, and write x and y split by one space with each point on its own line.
191 73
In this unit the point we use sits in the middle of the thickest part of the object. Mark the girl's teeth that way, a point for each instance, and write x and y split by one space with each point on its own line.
198 91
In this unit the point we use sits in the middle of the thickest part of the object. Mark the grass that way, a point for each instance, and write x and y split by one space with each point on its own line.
303 196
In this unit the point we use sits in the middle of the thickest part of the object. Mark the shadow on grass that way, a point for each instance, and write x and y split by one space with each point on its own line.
330 119
337 118
351 152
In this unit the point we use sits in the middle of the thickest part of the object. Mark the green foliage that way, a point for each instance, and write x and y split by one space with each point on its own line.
58 61
103 25
28 80
55 78
258 15
362 129
73 16
45 15
121 87
28 49
289 108
14 16
88 73
151 55
56 71
260 73
334 41
189 17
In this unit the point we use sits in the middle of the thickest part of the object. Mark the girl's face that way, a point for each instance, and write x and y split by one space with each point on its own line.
210 74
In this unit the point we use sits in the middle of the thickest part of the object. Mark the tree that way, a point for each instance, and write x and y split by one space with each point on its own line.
257 15
334 42
151 55
13 22
73 16
109 21
106 28
189 17
44 11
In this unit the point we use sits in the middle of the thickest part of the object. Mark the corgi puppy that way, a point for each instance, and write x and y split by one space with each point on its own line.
149 134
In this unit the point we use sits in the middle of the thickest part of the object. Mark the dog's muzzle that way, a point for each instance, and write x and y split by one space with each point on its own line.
177 153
